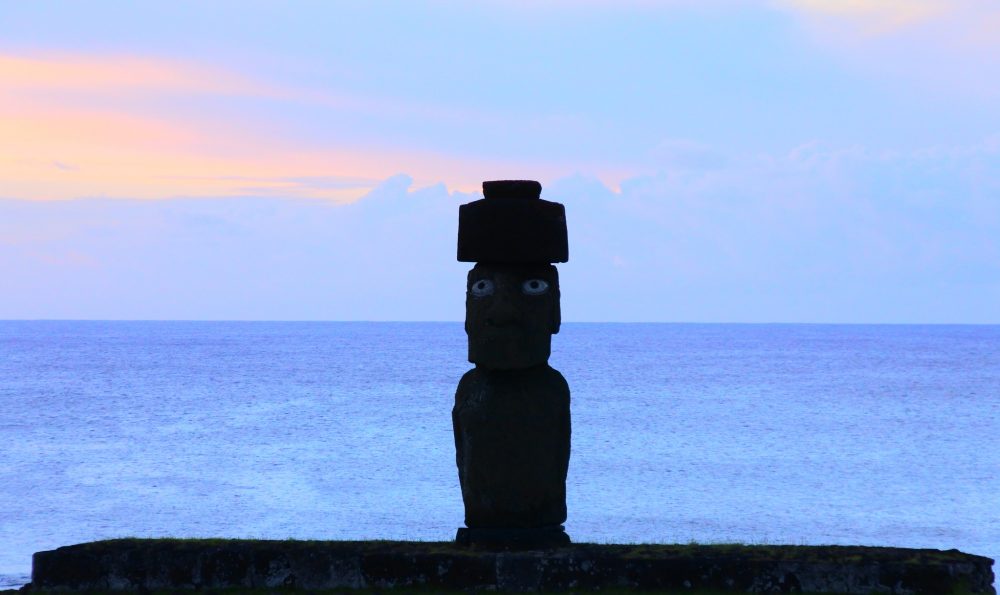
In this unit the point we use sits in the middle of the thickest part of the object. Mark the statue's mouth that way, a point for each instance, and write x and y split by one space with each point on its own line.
502 324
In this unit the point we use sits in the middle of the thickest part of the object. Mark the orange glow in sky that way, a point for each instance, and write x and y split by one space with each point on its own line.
72 127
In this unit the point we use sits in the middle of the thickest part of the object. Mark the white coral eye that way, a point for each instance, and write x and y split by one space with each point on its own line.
482 288
535 286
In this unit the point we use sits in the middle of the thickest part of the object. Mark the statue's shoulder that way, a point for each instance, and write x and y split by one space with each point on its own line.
470 381
554 377
550 382
471 377
542 378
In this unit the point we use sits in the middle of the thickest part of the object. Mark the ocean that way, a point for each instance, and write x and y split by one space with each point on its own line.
797 434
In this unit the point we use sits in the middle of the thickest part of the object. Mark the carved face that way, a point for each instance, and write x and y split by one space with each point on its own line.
511 313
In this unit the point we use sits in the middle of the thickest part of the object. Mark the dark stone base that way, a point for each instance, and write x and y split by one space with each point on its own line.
514 539
262 566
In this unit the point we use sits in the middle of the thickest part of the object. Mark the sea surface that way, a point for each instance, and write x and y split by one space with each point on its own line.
797 434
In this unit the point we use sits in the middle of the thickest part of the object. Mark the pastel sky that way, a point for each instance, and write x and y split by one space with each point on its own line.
720 160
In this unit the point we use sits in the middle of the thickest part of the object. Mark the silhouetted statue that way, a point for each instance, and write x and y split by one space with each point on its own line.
511 415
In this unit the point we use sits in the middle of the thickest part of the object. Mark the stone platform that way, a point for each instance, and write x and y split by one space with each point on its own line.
175 564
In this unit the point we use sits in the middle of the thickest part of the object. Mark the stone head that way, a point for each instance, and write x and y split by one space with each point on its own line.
512 294
511 313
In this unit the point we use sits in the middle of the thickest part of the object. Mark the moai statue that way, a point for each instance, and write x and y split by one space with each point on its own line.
511 415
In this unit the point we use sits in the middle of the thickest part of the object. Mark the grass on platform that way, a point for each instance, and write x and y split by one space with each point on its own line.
761 551
401 591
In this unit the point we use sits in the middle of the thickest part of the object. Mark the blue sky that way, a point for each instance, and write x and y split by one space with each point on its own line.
740 161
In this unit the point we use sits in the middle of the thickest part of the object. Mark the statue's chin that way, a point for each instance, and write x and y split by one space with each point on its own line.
509 353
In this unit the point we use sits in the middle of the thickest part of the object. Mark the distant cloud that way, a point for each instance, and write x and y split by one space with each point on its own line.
948 46
104 115
60 73
127 124
686 154
817 233
873 16
108 117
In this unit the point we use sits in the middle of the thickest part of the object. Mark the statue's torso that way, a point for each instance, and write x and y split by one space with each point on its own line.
512 439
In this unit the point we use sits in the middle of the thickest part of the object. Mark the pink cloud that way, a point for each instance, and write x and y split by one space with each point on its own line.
870 17
943 46
66 133
55 73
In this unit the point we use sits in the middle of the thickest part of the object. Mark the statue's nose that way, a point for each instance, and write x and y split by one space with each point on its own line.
503 312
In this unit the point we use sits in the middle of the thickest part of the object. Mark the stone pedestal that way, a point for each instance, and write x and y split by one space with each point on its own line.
514 539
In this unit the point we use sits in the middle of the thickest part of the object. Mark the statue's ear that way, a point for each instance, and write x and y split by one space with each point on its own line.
556 309
468 281
556 315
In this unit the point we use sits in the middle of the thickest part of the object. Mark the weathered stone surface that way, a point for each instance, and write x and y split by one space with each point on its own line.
512 225
512 443
511 313
140 565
